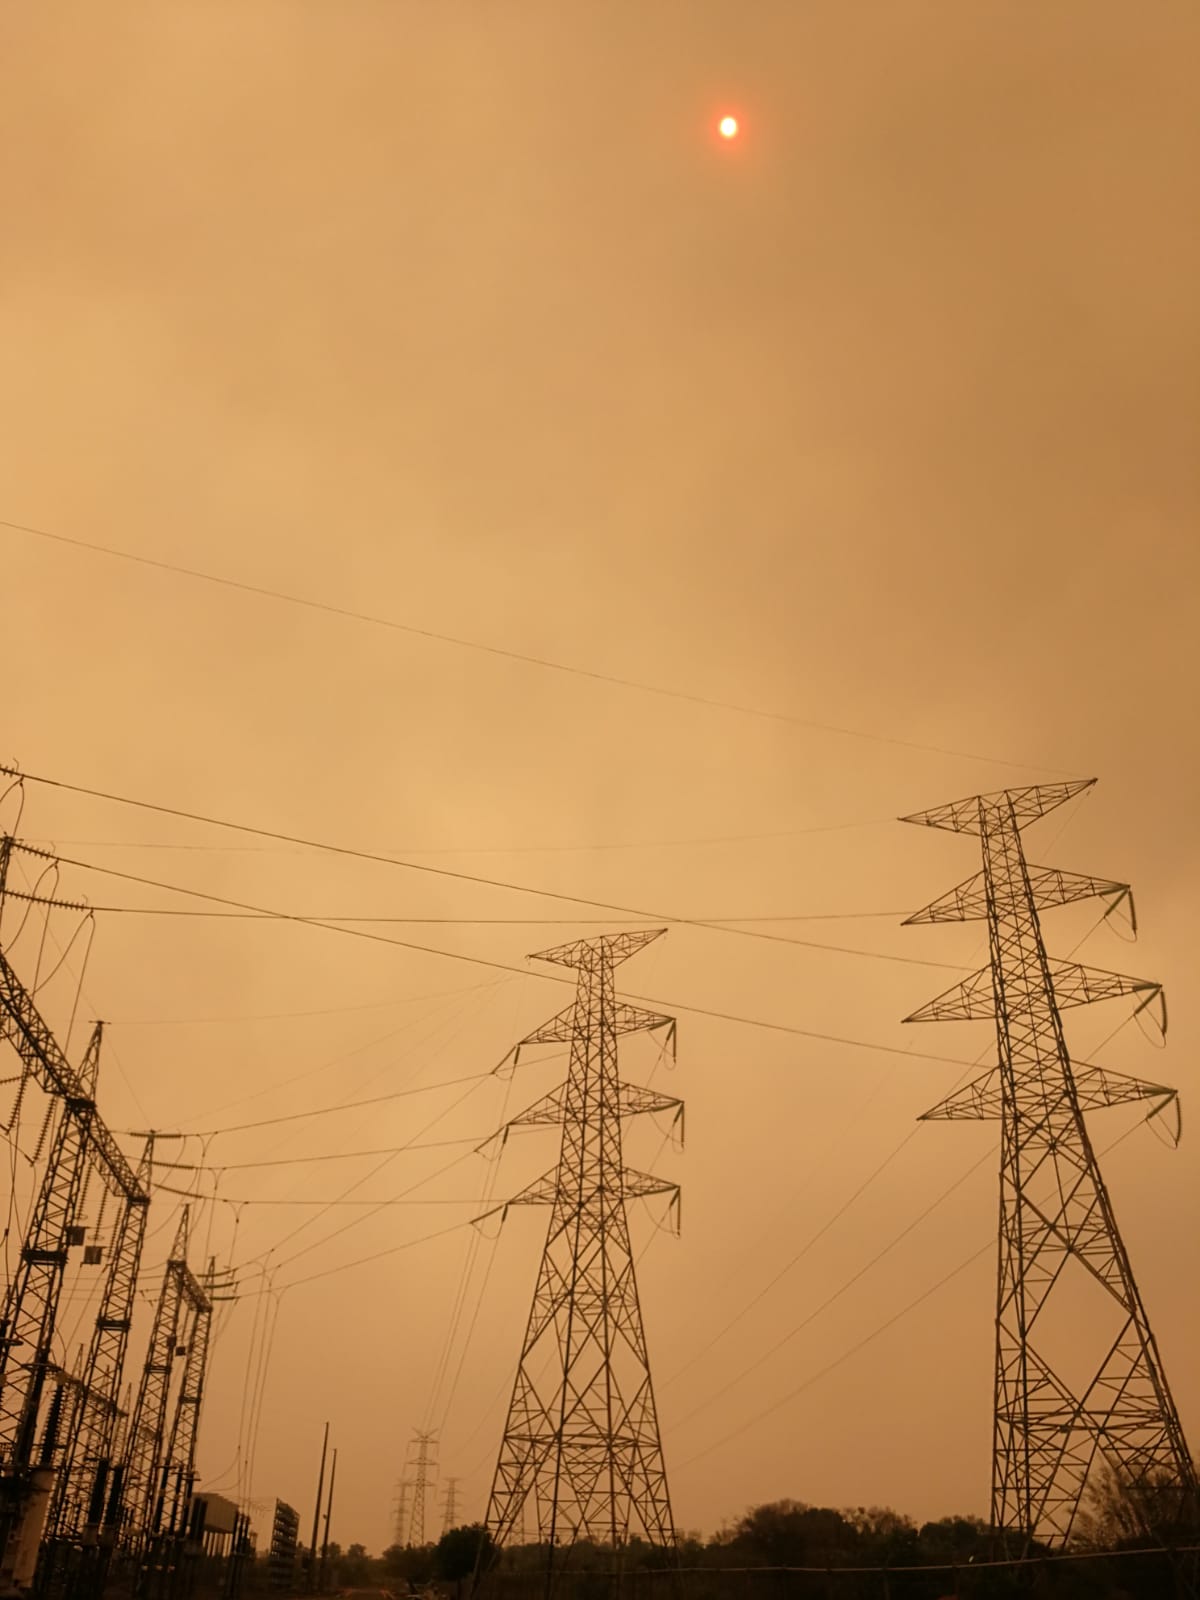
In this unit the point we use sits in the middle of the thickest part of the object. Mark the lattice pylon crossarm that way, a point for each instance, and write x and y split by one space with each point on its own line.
1096 1088
1024 805
632 1101
967 901
612 948
623 1019
1074 985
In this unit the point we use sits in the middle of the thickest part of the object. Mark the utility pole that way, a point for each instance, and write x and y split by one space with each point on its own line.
328 1514
1062 1404
582 1438
312 1559
451 1505
420 1485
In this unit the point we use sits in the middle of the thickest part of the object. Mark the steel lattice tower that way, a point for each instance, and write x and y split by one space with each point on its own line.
91 1432
1057 1228
450 1506
582 1438
152 1456
420 1486
401 1523
31 1304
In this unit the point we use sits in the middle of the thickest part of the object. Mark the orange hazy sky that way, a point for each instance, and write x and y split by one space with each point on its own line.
880 418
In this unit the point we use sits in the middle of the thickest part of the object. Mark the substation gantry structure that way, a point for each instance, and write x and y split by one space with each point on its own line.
581 1444
158 1466
79 1477
1099 1395
78 1416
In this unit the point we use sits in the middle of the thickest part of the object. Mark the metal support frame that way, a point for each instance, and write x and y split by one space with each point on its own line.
1056 1218
180 1316
582 1440
77 1501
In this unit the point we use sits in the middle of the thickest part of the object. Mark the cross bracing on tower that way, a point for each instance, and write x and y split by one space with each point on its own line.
581 1449
35 1390
1061 1407
424 1470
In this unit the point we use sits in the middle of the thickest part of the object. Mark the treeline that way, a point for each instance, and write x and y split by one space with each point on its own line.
790 1549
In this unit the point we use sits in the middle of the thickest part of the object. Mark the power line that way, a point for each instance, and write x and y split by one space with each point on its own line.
378 1255
266 1200
366 1178
812 1240
840 1360
512 922
869 1338
295 1161
508 967
525 658
715 1394
344 1105
508 850
350 851
287 1016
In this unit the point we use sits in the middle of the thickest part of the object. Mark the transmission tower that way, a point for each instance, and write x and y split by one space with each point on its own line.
82 1143
1054 1413
90 1431
153 1461
173 1502
450 1505
419 1483
582 1439
401 1524
31 1304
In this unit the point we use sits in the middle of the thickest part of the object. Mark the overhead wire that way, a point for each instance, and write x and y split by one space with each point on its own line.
322 1155
717 923
472 1083
411 1045
287 1016
472 1250
712 1395
525 658
587 848
845 1355
110 1052
547 977
346 925
882 1166
830 1300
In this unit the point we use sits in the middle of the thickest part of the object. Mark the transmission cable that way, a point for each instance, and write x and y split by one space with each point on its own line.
508 967
715 1394
875 1333
887 1160
475 879
526 659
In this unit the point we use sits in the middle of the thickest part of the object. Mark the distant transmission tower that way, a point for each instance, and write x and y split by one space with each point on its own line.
400 1527
582 1433
420 1486
1064 1392
450 1505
